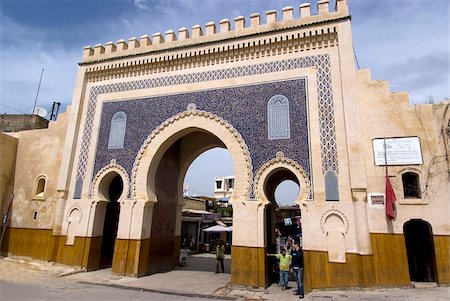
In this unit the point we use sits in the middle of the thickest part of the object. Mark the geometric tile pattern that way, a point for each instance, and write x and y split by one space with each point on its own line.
324 90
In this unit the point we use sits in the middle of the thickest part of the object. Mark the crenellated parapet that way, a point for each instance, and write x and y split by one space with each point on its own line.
226 30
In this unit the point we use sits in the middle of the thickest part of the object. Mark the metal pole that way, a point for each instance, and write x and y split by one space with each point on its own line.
385 156
37 94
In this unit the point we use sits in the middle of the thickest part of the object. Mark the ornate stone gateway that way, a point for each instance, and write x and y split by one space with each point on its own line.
284 98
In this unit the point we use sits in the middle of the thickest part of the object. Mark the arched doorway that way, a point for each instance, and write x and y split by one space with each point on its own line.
165 236
157 181
283 226
420 250
208 184
111 189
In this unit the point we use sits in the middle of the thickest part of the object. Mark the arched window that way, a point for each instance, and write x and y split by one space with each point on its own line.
278 121
39 188
117 131
331 186
411 185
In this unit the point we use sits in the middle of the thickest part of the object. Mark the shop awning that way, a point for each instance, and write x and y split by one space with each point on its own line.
218 228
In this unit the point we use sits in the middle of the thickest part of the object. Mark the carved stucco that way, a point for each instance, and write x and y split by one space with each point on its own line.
192 118
280 161
111 167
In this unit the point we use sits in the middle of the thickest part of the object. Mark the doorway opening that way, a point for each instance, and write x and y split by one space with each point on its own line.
283 216
184 209
420 250
111 188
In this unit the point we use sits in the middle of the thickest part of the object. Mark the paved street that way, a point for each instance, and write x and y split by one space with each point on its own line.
33 280
80 291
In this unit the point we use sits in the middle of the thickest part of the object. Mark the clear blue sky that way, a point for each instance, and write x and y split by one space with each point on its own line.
403 41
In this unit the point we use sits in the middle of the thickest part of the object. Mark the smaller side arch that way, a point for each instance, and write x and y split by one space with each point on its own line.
334 225
74 216
102 174
280 161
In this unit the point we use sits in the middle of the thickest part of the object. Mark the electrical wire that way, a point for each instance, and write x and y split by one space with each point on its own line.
1 104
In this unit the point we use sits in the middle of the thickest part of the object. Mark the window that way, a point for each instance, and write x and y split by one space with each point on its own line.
40 187
411 185
117 131
278 122
219 184
230 184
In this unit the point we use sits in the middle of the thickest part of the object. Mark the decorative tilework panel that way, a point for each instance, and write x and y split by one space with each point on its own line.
244 107
324 89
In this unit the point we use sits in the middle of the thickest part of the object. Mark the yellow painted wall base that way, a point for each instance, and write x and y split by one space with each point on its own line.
130 257
387 266
442 250
248 266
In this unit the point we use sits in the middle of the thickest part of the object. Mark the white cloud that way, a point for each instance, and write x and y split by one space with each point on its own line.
142 4
22 60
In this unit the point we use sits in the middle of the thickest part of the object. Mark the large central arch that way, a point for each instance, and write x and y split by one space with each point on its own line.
157 179
178 126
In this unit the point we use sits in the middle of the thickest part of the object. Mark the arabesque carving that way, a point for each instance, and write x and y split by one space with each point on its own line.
280 161
112 166
192 111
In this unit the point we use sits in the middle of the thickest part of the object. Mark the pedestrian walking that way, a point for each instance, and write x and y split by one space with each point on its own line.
220 256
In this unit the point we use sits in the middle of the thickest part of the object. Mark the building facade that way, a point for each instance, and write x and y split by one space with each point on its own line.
103 185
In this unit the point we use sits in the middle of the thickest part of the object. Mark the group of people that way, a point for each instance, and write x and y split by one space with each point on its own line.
292 262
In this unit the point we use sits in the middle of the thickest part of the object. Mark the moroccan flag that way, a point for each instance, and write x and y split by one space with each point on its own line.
390 199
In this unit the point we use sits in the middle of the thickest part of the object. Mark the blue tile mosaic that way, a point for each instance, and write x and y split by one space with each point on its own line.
325 102
244 107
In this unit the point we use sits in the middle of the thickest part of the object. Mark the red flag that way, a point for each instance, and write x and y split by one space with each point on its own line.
390 199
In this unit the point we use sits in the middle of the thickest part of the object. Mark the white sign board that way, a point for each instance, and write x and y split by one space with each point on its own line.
376 199
399 151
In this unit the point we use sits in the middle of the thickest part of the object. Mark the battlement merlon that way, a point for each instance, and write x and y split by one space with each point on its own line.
158 42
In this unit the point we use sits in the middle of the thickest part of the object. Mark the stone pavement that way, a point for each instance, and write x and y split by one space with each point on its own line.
198 280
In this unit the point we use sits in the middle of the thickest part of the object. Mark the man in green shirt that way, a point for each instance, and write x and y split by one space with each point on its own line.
285 263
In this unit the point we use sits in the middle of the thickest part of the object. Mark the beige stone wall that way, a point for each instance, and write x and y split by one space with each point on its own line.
386 114
194 204
8 150
38 156
363 110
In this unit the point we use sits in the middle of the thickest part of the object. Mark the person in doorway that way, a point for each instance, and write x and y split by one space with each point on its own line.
220 256
297 268
285 262
192 242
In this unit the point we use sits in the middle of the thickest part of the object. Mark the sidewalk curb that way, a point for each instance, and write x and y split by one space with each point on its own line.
133 288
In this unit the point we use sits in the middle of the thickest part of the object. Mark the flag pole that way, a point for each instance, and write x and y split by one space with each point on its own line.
390 194
385 157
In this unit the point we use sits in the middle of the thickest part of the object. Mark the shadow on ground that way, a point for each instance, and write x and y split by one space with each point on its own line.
204 263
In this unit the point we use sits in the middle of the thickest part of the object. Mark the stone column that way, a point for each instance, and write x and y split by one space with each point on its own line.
248 251
359 196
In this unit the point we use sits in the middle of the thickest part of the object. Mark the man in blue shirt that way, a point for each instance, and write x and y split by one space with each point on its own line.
297 267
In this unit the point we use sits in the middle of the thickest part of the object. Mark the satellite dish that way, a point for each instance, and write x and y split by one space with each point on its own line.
39 111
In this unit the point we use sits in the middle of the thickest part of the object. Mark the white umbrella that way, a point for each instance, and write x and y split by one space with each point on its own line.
218 228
